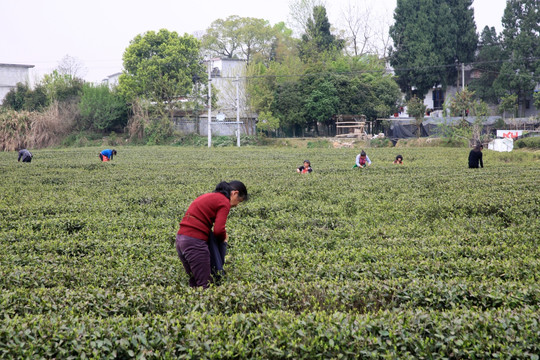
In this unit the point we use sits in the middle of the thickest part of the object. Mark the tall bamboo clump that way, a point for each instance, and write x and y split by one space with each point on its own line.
24 129
52 125
14 129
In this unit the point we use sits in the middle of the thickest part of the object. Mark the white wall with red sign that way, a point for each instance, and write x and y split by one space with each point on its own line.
511 134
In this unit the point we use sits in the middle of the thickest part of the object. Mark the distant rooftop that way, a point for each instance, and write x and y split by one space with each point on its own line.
17 65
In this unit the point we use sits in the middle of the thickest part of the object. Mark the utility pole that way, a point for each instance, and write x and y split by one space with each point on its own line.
237 112
209 103
462 76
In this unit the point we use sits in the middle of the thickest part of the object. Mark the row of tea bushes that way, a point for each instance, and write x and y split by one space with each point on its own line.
349 296
460 334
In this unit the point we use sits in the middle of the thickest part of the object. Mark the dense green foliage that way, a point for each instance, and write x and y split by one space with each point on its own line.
521 38
321 91
160 66
62 87
161 70
530 142
239 37
425 260
318 41
416 109
430 36
102 108
488 63
21 97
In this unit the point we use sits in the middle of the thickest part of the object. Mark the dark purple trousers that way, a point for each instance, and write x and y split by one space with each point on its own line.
195 257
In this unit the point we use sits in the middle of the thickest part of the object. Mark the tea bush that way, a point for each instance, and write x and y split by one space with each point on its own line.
530 142
428 259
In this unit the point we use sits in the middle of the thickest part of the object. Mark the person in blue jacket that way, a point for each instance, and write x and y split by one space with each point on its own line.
107 154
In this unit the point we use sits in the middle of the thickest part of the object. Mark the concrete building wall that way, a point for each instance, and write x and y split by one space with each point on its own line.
112 80
10 75
224 73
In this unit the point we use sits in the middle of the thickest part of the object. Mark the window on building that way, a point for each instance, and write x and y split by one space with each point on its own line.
438 99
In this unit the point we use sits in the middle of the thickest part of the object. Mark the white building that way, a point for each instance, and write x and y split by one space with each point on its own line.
10 75
228 79
224 73
112 80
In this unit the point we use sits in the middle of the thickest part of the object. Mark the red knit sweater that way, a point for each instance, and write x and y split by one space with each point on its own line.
207 209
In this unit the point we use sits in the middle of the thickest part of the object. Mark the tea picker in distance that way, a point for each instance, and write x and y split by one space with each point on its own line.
25 155
305 169
202 251
399 160
362 160
475 157
107 154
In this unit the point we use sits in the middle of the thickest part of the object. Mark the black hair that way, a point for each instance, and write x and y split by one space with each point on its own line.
114 152
307 161
225 188
363 153
399 157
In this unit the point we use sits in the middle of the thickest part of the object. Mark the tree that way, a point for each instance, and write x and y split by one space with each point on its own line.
255 37
430 36
300 12
365 87
221 37
161 67
62 87
417 109
536 98
488 63
321 103
509 103
71 66
267 122
288 107
15 98
359 28
521 41
237 37
36 99
283 45
464 104
102 109
318 41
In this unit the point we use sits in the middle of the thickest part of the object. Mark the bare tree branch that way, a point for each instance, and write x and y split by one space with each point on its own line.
72 66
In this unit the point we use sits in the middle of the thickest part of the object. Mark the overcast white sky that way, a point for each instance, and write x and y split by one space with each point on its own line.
96 32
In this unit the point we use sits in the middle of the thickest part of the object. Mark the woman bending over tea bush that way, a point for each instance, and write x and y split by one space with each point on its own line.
107 154
192 239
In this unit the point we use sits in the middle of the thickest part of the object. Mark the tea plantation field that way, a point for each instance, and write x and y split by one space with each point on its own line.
426 260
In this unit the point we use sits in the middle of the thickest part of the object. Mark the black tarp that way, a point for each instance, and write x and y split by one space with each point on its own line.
403 128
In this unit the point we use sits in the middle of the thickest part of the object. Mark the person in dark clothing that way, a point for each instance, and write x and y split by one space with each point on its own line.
306 168
475 157
107 154
25 155
193 238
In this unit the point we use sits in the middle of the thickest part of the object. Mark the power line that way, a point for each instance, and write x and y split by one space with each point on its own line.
388 71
